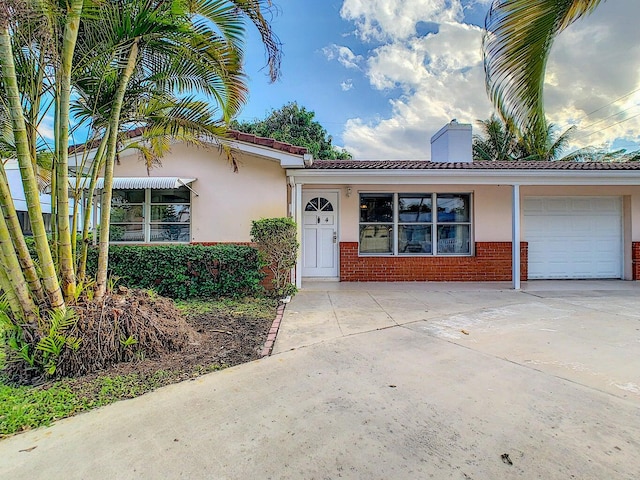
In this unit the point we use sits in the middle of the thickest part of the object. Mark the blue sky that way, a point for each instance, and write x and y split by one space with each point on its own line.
384 75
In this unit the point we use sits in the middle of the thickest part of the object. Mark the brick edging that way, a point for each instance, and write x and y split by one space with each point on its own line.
273 331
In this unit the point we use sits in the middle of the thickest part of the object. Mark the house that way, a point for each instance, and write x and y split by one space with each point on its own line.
448 219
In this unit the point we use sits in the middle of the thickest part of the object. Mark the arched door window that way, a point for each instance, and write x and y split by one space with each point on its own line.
319 204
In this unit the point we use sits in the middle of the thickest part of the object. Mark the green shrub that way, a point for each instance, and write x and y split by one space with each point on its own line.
276 239
185 271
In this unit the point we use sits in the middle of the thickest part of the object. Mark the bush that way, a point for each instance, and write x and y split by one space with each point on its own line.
185 271
276 239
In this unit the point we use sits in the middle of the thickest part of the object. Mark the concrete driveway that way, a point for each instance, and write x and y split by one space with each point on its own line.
384 381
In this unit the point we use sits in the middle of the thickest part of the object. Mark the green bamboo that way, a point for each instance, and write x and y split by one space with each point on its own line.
7 288
105 211
27 172
14 274
98 162
65 253
13 224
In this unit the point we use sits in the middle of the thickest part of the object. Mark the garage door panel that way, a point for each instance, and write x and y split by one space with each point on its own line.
574 237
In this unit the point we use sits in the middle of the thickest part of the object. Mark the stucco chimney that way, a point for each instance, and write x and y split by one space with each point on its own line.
452 143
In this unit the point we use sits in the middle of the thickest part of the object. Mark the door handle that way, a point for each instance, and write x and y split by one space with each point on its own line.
335 237
318 219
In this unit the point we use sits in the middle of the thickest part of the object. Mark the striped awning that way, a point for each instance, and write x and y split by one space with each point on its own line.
137 182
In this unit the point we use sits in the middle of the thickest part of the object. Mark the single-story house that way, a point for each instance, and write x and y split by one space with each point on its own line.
447 219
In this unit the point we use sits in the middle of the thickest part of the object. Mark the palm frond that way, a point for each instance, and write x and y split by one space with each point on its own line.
516 44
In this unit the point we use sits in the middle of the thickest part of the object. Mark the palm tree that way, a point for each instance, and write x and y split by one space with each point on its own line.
516 44
497 142
158 49
170 45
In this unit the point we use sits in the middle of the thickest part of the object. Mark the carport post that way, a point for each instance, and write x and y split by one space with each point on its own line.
515 237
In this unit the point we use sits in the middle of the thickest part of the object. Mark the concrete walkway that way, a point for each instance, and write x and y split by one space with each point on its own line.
384 381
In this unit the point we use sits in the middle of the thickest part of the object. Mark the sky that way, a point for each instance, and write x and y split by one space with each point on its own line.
382 76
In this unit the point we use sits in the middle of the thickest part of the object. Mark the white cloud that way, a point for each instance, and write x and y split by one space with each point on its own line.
344 55
397 19
46 128
593 64
437 77
347 85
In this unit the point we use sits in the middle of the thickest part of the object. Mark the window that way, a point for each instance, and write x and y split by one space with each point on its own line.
408 223
376 223
151 215
25 222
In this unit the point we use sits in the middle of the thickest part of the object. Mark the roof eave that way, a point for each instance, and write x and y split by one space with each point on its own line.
466 177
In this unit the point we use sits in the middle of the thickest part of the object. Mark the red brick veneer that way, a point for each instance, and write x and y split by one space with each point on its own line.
491 262
635 259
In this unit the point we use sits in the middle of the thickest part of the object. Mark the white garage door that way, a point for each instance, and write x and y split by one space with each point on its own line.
574 237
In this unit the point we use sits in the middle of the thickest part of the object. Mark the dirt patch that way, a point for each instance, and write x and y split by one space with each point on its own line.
172 345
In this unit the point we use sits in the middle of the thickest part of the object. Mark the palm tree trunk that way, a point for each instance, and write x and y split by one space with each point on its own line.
65 252
14 273
27 172
7 288
13 224
105 211
98 161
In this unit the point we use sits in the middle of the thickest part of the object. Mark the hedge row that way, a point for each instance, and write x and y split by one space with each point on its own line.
185 271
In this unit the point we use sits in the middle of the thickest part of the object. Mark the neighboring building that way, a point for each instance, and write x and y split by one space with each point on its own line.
449 219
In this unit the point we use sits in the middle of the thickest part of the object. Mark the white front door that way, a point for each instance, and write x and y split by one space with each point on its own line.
320 234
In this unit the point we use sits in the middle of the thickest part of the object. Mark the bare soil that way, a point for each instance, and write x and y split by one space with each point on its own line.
173 346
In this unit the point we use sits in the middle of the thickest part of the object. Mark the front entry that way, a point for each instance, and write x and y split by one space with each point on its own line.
320 234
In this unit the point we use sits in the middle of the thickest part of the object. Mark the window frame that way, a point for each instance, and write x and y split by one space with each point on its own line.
434 224
147 221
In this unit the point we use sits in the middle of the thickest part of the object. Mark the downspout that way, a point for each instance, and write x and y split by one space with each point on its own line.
515 237
296 214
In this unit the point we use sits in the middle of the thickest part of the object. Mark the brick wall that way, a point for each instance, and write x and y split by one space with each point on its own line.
491 262
635 259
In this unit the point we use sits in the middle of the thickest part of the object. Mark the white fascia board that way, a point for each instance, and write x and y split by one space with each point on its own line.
287 160
466 177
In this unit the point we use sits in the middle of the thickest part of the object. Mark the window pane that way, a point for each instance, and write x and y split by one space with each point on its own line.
127 214
170 233
414 239
376 238
312 206
171 213
376 207
414 208
453 208
172 195
120 197
325 205
453 239
126 233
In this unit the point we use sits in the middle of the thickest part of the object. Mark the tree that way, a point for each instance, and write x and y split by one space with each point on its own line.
500 141
497 142
131 62
516 44
295 125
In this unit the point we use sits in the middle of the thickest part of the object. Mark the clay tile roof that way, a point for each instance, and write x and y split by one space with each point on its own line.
231 134
425 165
266 142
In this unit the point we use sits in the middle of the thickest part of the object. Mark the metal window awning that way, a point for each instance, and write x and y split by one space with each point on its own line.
136 182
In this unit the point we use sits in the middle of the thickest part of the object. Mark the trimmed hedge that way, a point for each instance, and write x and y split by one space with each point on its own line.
185 271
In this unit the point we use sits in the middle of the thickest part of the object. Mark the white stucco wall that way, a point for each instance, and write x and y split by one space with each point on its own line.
491 205
227 202
491 208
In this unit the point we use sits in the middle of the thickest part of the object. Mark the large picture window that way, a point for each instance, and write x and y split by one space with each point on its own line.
415 223
151 215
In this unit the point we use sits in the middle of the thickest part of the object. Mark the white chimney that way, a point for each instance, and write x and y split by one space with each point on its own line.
452 143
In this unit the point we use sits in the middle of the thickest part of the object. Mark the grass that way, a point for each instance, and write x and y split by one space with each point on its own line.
24 408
